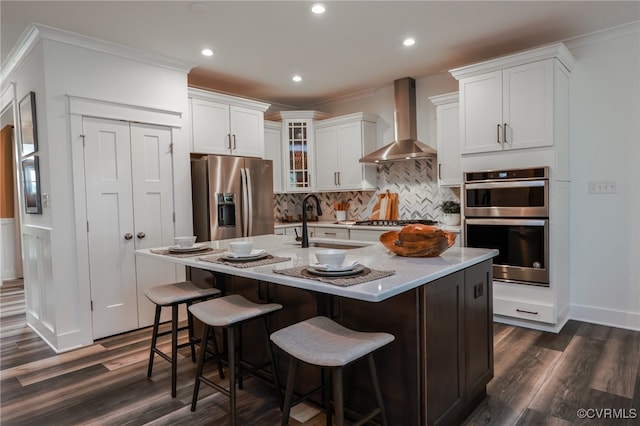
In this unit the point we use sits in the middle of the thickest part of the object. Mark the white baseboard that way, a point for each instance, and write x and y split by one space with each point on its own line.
608 317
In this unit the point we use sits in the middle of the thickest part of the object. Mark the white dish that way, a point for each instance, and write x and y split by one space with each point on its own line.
355 271
255 254
195 247
323 267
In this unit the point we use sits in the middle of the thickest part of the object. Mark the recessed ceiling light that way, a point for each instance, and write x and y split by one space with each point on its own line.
207 52
296 78
318 8
409 42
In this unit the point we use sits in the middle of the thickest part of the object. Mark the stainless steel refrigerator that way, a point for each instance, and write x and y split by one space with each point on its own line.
232 197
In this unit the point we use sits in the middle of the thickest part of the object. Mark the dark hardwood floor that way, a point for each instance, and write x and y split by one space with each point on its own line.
540 378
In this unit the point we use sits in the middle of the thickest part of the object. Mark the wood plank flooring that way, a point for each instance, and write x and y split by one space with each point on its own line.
540 378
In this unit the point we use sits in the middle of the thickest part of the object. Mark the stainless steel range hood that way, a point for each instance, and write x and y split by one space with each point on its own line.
406 146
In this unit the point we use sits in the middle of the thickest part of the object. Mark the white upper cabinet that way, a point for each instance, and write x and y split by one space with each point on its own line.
339 144
509 103
448 136
227 125
273 151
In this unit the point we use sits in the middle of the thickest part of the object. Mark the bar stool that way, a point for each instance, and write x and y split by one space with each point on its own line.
230 312
324 343
174 295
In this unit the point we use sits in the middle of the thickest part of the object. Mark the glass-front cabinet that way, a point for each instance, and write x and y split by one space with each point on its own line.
298 148
298 151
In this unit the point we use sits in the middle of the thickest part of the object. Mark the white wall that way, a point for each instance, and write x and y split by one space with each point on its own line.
59 306
605 141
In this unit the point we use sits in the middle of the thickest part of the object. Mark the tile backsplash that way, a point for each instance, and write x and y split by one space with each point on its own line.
414 181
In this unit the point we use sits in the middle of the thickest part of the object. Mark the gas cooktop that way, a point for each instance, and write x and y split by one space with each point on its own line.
383 222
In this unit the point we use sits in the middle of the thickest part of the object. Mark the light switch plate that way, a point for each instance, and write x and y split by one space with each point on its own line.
603 187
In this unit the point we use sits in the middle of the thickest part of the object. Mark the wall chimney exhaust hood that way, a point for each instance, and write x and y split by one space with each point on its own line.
406 146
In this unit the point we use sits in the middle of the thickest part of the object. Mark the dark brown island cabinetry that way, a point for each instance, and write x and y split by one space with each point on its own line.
434 373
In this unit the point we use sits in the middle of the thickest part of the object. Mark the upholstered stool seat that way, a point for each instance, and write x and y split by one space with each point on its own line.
230 312
322 342
173 295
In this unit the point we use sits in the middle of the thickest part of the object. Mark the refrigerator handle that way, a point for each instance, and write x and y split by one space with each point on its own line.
250 198
245 202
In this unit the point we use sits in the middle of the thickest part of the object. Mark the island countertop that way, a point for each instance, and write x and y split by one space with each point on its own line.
410 272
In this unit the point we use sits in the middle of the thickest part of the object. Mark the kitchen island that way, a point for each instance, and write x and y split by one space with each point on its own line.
439 309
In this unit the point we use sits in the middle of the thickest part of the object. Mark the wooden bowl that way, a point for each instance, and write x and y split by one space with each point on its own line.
418 241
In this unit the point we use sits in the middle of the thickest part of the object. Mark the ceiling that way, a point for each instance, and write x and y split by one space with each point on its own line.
354 46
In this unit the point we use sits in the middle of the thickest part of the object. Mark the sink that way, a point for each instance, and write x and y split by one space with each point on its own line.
332 244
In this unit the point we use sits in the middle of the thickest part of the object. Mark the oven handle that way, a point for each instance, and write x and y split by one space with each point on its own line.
518 222
515 184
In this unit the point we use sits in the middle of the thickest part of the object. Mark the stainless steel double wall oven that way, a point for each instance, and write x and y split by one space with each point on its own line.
508 210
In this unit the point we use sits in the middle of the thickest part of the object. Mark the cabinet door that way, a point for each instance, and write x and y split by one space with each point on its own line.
478 328
299 148
273 152
348 154
481 113
210 132
445 350
152 180
448 135
247 132
326 158
527 92
110 233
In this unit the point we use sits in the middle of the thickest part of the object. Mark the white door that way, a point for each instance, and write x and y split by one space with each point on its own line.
325 156
348 153
247 130
129 206
210 130
107 157
152 211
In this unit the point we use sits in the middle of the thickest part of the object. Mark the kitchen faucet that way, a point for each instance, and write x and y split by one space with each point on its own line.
305 232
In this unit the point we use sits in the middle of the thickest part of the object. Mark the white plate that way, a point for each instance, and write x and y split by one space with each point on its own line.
329 268
193 248
255 254
355 271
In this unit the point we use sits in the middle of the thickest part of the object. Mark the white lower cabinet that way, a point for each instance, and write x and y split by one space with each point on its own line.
365 234
338 233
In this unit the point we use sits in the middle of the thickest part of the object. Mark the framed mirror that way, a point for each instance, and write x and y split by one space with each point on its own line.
31 176
28 128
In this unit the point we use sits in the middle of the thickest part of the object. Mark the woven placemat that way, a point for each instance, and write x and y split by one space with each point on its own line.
366 275
208 250
245 264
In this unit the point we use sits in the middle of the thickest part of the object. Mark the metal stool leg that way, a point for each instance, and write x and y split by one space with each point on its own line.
376 388
154 339
272 360
232 375
288 396
192 338
338 400
196 386
174 348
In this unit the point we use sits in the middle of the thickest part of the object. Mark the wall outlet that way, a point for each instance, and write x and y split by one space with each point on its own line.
603 187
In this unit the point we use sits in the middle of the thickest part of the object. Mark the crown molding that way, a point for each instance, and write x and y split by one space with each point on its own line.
603 35
36 32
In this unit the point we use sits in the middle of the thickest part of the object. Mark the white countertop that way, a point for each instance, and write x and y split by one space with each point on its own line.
411 272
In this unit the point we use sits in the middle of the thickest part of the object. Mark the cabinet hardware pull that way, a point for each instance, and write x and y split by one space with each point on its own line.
141 235
234 141
128 236
229 137
498 133
526 312
504 133
339 178
439 170
335 178
330 233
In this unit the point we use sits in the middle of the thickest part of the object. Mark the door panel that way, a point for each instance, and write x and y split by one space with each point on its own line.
153 212
109 207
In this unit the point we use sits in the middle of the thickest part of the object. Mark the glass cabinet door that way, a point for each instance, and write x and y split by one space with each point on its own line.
299 173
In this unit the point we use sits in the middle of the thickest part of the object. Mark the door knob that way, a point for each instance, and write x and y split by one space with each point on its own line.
140 235
128 236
